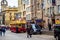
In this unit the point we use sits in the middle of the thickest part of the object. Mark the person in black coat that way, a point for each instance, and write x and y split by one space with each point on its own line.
29 29
49 25
0 31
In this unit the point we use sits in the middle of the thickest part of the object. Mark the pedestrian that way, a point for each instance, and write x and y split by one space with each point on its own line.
0 31
3 30
49 26
16 28
29 30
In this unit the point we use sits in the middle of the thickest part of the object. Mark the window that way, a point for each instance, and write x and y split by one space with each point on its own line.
49 1
51 11
17 15
27 2
24 13
24 6
44 11
38 6
10 13
32 14
58 8
21 1
28 17
48 12
10 16
53 2
35 1
28 9
32 8
43 4
32 2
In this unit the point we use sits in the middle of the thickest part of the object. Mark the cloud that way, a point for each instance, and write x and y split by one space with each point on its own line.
13 3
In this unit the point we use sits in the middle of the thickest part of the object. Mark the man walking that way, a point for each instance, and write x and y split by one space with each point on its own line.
29 28
49 25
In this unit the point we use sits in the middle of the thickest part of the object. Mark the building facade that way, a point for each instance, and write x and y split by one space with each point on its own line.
42 9
32 9
4 5
51 10
28 9
10 14
21 8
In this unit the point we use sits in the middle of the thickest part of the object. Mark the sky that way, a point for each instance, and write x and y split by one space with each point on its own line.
11 3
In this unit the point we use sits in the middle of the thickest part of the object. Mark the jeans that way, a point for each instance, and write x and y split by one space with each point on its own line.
3 33
0 33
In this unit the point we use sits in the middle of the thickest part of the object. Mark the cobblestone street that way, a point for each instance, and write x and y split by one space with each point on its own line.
22 36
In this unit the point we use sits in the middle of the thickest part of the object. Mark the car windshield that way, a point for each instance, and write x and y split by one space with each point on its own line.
33 27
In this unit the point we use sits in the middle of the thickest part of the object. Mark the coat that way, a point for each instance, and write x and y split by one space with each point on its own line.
29 29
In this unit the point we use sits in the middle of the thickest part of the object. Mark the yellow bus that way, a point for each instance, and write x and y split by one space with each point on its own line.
18 26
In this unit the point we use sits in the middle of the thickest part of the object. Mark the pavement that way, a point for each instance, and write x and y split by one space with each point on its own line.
22 36
47 32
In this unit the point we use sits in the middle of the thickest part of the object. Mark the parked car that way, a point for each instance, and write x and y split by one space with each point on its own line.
57 31
36 29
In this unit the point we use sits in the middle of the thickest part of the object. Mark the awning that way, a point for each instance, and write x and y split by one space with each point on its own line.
39 20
